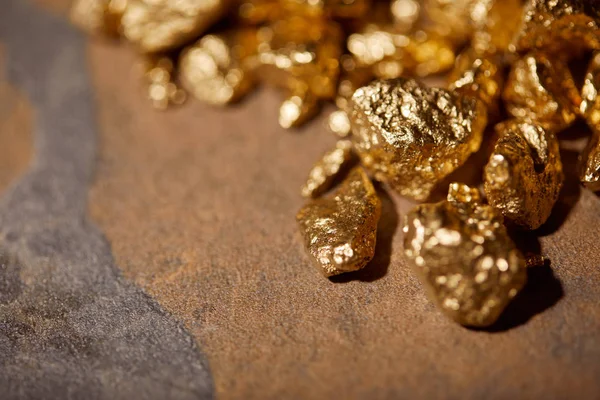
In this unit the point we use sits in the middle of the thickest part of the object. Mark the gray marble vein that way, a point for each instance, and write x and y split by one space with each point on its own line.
70 326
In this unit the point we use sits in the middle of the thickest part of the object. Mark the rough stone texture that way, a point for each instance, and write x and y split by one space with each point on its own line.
199 206
15 130
70 325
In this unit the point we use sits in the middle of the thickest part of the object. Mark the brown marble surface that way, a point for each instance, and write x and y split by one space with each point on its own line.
198 205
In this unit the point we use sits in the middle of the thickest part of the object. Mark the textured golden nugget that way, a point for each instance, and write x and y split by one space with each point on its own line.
589 169
160 25
542 90
524 174
560 27
463 255
216 69
325 171
412 136
339 230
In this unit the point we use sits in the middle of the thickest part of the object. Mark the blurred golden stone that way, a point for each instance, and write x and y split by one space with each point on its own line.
542 90
98 16
412 136
480 77
161 25
162 90
215 69
325 171
559 27
495 23
301 56
589 169
392 54
339 230
461 252
524 174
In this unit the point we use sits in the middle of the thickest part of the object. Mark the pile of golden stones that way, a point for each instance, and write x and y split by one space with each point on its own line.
509 82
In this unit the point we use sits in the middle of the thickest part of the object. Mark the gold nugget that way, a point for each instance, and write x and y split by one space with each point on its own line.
160 25
300 55
339 230
589 169
216 69
412 136
101 17
524 174
462 254
162 89
325 171
559 27
542 90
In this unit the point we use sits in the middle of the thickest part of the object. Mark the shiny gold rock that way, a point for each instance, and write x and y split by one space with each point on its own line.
478 76
559 27
524 174
300 55
589 169
161 25
412 136
339 230
215 69
393 54
325 171
495 23
542 90
461 252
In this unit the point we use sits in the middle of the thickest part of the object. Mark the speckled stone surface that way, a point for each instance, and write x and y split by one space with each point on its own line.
70 325
198 207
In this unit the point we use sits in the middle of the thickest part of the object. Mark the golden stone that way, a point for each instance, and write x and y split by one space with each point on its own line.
542 90
101 17
412 136
339 230
162 89
325 171
300 55
495 23
461 252
589 168
392 54
215 69
559 27
480 77
161 25
524 174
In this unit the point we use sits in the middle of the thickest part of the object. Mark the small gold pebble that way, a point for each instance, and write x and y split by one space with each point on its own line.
161 25
589 168
412 136
325 171
339 230
523 176
461 252
543 90
215 70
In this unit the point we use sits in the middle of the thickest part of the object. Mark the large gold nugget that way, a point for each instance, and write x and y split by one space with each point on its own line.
463 255
412 136
559 27
589 170
524 174
339 230
325 171
215 70
160 25
542 90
